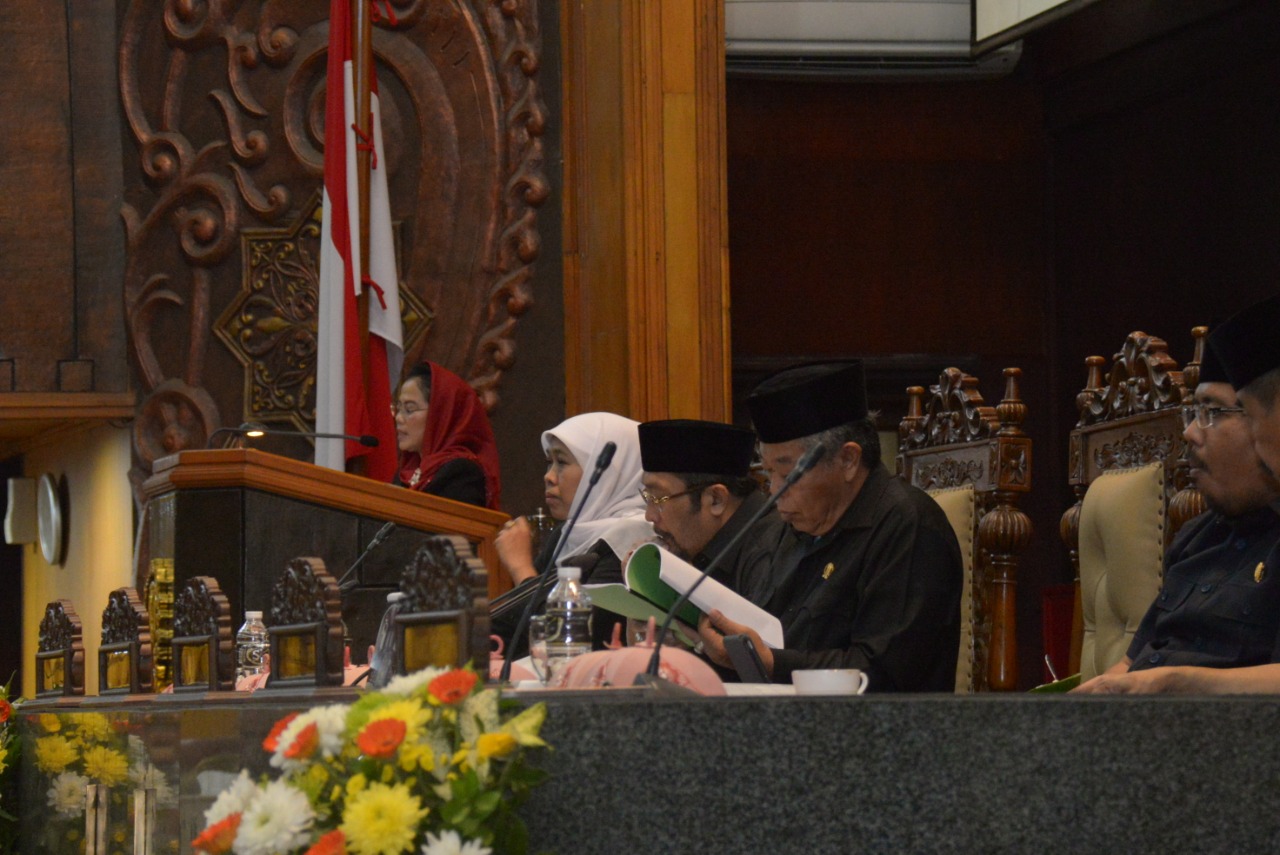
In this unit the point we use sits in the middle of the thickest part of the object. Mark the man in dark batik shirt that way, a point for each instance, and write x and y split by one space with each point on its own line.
1217 615
867 572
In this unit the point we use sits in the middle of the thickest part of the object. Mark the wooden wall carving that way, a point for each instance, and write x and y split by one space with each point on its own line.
224 104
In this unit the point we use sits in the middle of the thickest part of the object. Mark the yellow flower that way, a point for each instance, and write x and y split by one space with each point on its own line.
355 784
54 754
382 820
4 757
94 726
105 765
49 722
525 726
416 755
491 745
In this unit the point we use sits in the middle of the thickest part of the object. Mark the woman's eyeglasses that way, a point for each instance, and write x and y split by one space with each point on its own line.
407 409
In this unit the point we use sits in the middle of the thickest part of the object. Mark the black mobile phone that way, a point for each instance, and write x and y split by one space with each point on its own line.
745 659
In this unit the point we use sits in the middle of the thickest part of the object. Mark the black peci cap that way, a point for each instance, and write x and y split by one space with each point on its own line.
1248 344
688 445
800 402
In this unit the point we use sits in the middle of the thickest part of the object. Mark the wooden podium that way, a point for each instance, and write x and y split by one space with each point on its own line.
240 514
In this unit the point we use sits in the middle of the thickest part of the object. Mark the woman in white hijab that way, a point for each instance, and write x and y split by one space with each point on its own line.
609 527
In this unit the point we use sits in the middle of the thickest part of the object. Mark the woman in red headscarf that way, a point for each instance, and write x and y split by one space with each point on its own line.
445 439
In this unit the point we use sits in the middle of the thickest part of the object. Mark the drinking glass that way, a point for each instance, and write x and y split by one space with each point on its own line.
538 647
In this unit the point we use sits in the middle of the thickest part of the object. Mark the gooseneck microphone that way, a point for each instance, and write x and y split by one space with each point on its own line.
602 463
806 462
253 429
346 583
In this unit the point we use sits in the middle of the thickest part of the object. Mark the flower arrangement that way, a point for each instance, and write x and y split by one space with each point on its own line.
9 752
71 750
429 764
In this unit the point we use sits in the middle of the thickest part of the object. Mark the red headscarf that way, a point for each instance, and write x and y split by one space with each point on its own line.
457 427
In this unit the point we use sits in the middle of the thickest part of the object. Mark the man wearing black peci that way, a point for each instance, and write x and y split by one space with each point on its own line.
868 571
699 493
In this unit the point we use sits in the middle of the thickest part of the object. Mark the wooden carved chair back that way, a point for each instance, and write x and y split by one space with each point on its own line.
203 640
60 652
976 461
444 618
125 654
305 627
1127 467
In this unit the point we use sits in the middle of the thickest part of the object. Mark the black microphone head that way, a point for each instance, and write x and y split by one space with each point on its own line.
371 441
606 455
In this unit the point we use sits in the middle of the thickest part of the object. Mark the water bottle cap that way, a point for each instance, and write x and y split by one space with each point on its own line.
573 574
252 615
395 596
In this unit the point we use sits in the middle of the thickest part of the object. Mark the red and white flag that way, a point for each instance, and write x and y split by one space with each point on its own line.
343 403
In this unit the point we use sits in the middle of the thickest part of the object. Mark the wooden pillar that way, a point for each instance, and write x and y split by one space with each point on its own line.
646 245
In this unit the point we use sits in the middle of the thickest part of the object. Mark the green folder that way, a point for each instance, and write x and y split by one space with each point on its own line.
644 595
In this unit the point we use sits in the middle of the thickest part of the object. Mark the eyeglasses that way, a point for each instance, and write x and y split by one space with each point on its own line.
659 501
1205 414
408 409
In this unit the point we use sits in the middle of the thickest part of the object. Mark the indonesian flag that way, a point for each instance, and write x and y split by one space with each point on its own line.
343 403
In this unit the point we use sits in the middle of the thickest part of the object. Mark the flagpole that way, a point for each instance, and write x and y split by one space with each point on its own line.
362 55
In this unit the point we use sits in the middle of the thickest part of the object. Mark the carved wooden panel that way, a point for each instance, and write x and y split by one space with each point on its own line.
125 653
446 578
60 651
224 105
201 611
307 595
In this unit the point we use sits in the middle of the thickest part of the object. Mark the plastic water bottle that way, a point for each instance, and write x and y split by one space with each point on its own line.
251 645
568 620
386 645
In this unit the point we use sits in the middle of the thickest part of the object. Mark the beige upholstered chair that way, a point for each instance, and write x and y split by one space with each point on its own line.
975 461
1128 470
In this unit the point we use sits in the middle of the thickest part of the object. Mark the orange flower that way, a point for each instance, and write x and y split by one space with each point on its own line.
333 843
452 686
272 742
380 739
5 710
218 837
304 744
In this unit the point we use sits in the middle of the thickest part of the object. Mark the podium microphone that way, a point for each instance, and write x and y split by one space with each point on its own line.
346 583
253 429
602 463
806 462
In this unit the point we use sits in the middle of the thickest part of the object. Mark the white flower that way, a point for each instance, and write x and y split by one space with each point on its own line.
449 843
66 794
231 800
278 820
329 722
145 776
410 684
482 706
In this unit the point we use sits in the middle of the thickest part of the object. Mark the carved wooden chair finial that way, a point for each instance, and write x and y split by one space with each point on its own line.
203 640
60 652
125 654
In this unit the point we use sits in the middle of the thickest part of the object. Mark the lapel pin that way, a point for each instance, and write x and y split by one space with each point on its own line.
831 568
1259 571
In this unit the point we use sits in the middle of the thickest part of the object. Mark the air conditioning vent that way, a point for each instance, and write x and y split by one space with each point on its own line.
878 39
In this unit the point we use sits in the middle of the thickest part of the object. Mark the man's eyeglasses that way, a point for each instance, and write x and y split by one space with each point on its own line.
407 409
1204 415
659 501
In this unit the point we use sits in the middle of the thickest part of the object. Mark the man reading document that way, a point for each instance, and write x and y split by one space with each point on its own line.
867 572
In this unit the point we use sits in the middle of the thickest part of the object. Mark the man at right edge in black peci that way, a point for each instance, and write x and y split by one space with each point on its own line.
868 571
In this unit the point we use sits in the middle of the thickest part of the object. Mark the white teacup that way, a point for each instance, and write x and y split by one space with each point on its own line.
830 681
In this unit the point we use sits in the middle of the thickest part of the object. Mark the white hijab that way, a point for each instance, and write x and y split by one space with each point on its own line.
614 512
